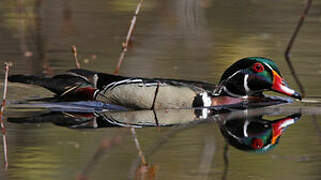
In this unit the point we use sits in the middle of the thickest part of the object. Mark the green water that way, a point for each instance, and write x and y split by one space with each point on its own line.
184 39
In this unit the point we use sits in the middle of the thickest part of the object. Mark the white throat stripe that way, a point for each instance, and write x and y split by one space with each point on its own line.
246 87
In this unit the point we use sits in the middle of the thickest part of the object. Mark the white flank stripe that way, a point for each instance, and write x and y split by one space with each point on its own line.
205 113
206 99
95 79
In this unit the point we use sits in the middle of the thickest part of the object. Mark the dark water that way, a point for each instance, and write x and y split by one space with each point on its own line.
185 39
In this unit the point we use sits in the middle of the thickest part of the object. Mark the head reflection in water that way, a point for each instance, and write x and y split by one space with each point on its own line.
255 133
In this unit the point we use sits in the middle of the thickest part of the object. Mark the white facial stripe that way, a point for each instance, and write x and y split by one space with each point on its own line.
233 74
232 94
227 91
207 101
246 87
269 66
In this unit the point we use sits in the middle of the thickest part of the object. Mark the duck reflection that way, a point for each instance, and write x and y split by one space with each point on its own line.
244 129
136 119
253 133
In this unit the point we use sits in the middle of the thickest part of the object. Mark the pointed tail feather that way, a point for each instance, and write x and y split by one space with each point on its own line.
65 84
28 79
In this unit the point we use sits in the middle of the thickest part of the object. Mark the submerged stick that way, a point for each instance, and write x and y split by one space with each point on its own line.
3 128
75 53
290 44
128 37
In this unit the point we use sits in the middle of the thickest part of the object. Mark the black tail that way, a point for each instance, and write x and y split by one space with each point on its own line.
29 79
59 84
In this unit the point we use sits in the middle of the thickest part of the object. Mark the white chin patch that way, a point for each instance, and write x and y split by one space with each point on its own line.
207 101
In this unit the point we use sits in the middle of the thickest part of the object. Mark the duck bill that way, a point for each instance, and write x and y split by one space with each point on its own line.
280 125
279 85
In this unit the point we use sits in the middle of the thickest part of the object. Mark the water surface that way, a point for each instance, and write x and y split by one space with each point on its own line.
186 39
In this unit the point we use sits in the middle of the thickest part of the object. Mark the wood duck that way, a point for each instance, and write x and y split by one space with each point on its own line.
245 80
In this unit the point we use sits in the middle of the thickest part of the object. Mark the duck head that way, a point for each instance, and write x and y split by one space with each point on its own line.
251 76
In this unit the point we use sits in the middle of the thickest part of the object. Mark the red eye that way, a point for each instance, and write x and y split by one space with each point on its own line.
258 67
257 144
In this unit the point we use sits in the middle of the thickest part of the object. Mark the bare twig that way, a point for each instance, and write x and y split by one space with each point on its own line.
105 145
3 128
128 37
290 44
75 53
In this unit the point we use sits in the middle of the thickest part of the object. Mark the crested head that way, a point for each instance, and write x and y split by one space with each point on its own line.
253 75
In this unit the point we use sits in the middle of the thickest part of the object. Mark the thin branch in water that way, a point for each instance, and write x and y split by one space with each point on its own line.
226 161
156 146
3 128
139 149
144 170
317 126
290 44
75 53
207 158
128 37
105 145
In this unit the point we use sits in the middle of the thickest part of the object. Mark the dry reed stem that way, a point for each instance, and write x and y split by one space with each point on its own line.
105 145
128 37
207 158
226 161
75 53
140 152
290 44
316 126
3 128
144 170
156 146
